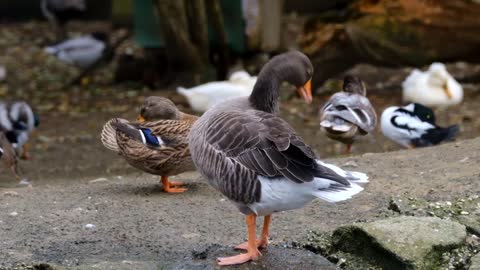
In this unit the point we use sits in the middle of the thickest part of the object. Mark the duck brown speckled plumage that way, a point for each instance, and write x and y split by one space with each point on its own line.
258 161
155 146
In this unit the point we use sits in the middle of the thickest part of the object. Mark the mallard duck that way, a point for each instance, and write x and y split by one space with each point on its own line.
258 161
18 121
82 51
203 97
58 12
158 147
414 126
348 113
434 87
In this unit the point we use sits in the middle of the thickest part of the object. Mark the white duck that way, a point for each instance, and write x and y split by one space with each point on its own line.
81 51
203 97
434 87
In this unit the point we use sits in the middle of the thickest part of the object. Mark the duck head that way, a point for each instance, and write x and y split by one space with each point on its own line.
353 84
156 108
439 77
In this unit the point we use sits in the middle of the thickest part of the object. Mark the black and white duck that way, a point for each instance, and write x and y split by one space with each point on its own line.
258 161
414 126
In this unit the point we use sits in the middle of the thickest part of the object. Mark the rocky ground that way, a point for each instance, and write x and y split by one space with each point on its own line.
87 209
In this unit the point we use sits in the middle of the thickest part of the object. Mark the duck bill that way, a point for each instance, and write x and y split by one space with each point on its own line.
447 92
140 119
306 92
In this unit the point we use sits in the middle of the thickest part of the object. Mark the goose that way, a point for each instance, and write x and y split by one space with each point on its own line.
258 161
203 97
156 143
414 126
82 51
433 88
349 113
18 121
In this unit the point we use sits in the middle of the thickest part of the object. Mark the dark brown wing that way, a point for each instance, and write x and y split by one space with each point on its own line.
267 145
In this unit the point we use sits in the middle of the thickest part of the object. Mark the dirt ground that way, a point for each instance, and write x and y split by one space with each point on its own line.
75 181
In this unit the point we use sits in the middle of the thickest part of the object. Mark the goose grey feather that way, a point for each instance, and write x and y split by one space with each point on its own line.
240 139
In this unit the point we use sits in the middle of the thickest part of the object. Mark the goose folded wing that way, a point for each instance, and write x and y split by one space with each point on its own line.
267 145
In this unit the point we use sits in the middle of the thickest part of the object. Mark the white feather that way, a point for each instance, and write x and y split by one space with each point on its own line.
399 135
203 97
427 87
283 194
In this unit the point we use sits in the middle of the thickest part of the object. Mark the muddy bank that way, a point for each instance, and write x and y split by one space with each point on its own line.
133 220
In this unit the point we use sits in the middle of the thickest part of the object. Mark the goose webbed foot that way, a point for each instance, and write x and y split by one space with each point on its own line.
252 251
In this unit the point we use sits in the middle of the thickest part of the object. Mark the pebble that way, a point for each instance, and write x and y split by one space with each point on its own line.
90 226
10 193
13 214
101 179
464 213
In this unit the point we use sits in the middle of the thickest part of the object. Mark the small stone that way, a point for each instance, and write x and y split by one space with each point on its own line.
350 163
101 179
13 214
10 193
464 213
90 226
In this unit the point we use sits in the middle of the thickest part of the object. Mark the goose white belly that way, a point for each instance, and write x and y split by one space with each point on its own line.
282 194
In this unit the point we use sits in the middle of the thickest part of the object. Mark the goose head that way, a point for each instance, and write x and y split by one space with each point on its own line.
353 84
292 67
156 108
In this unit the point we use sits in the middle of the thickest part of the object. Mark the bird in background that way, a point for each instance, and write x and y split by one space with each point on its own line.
203 97
349 113
81 52
414 126
156 143
17 122
59 12
433 88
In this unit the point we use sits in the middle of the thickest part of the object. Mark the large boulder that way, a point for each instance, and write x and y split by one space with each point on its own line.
401 242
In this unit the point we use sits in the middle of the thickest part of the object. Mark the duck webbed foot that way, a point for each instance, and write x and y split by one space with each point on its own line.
172 187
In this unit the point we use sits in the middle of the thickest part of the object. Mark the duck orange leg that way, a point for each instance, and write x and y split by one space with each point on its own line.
169 186
252 250
25 154
263 241
349 147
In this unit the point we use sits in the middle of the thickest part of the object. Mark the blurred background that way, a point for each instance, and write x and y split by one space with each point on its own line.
151 47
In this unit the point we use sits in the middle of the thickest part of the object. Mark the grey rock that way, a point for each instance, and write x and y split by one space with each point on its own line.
401 242
273 258
472 222
475 262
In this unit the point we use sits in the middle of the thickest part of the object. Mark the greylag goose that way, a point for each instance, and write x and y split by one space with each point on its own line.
257 160
348 113
17 121
155 146
414 126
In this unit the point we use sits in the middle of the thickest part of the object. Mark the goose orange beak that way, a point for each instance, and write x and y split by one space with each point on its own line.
140 119
306 92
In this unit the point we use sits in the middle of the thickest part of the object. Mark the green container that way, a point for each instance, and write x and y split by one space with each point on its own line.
148 34
146 26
